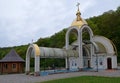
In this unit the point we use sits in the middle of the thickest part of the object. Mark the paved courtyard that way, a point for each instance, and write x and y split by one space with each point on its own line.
22 78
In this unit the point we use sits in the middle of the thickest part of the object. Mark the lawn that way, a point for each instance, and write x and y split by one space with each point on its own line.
86 79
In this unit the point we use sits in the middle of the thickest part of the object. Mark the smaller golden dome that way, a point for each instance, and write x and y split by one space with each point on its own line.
78 21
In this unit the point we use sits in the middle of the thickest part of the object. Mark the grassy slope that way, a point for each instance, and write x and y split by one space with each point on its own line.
87 79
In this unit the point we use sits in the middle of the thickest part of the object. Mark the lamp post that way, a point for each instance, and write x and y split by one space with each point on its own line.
97 62
44 60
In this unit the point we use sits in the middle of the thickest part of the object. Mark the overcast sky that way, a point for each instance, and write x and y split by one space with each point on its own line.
24 20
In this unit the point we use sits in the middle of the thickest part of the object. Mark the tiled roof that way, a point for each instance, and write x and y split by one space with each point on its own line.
12 56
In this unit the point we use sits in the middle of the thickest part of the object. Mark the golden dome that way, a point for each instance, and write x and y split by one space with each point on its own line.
78 21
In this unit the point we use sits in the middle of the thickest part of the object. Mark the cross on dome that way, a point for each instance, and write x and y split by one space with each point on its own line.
78 5
78 21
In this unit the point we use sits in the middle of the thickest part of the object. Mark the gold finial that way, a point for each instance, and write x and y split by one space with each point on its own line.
78 13
78 21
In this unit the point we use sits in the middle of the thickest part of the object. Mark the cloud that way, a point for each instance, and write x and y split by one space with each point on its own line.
24 20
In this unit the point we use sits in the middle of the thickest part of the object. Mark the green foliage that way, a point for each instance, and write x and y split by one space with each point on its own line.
107 25
57 40
86 79
49 62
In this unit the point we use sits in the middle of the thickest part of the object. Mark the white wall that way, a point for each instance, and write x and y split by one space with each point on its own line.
114 62
102 62
73 62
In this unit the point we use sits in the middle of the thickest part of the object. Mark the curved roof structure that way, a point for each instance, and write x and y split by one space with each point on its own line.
45 52
57 53
104 45
101 47
107 45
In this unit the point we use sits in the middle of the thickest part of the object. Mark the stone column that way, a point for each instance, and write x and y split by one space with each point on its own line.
91 54
37 65
80 51
66 63
67 44
27 69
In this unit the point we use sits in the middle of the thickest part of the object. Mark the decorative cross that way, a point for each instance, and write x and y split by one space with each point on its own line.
78 5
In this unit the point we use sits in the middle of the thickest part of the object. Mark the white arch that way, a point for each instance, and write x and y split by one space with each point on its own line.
68 33
79 38
33 50
90 32
88 29
44 52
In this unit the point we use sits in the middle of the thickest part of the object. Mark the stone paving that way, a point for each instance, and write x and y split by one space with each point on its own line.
22 78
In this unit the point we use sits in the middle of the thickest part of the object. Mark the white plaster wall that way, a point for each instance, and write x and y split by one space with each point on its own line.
101 62
114 62
73 63
104 60
93 62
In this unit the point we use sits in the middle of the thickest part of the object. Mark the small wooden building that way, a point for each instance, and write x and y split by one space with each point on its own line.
12 63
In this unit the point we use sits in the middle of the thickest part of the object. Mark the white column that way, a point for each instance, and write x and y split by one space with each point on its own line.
66 63
67 40
27 70
67 44
91 54
80 50
91 47
37 65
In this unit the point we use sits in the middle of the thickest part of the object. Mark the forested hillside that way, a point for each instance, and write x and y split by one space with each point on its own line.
107 24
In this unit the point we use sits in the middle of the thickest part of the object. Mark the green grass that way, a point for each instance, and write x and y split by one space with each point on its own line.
86 79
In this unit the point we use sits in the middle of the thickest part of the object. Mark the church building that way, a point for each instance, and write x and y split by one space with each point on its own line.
95 52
